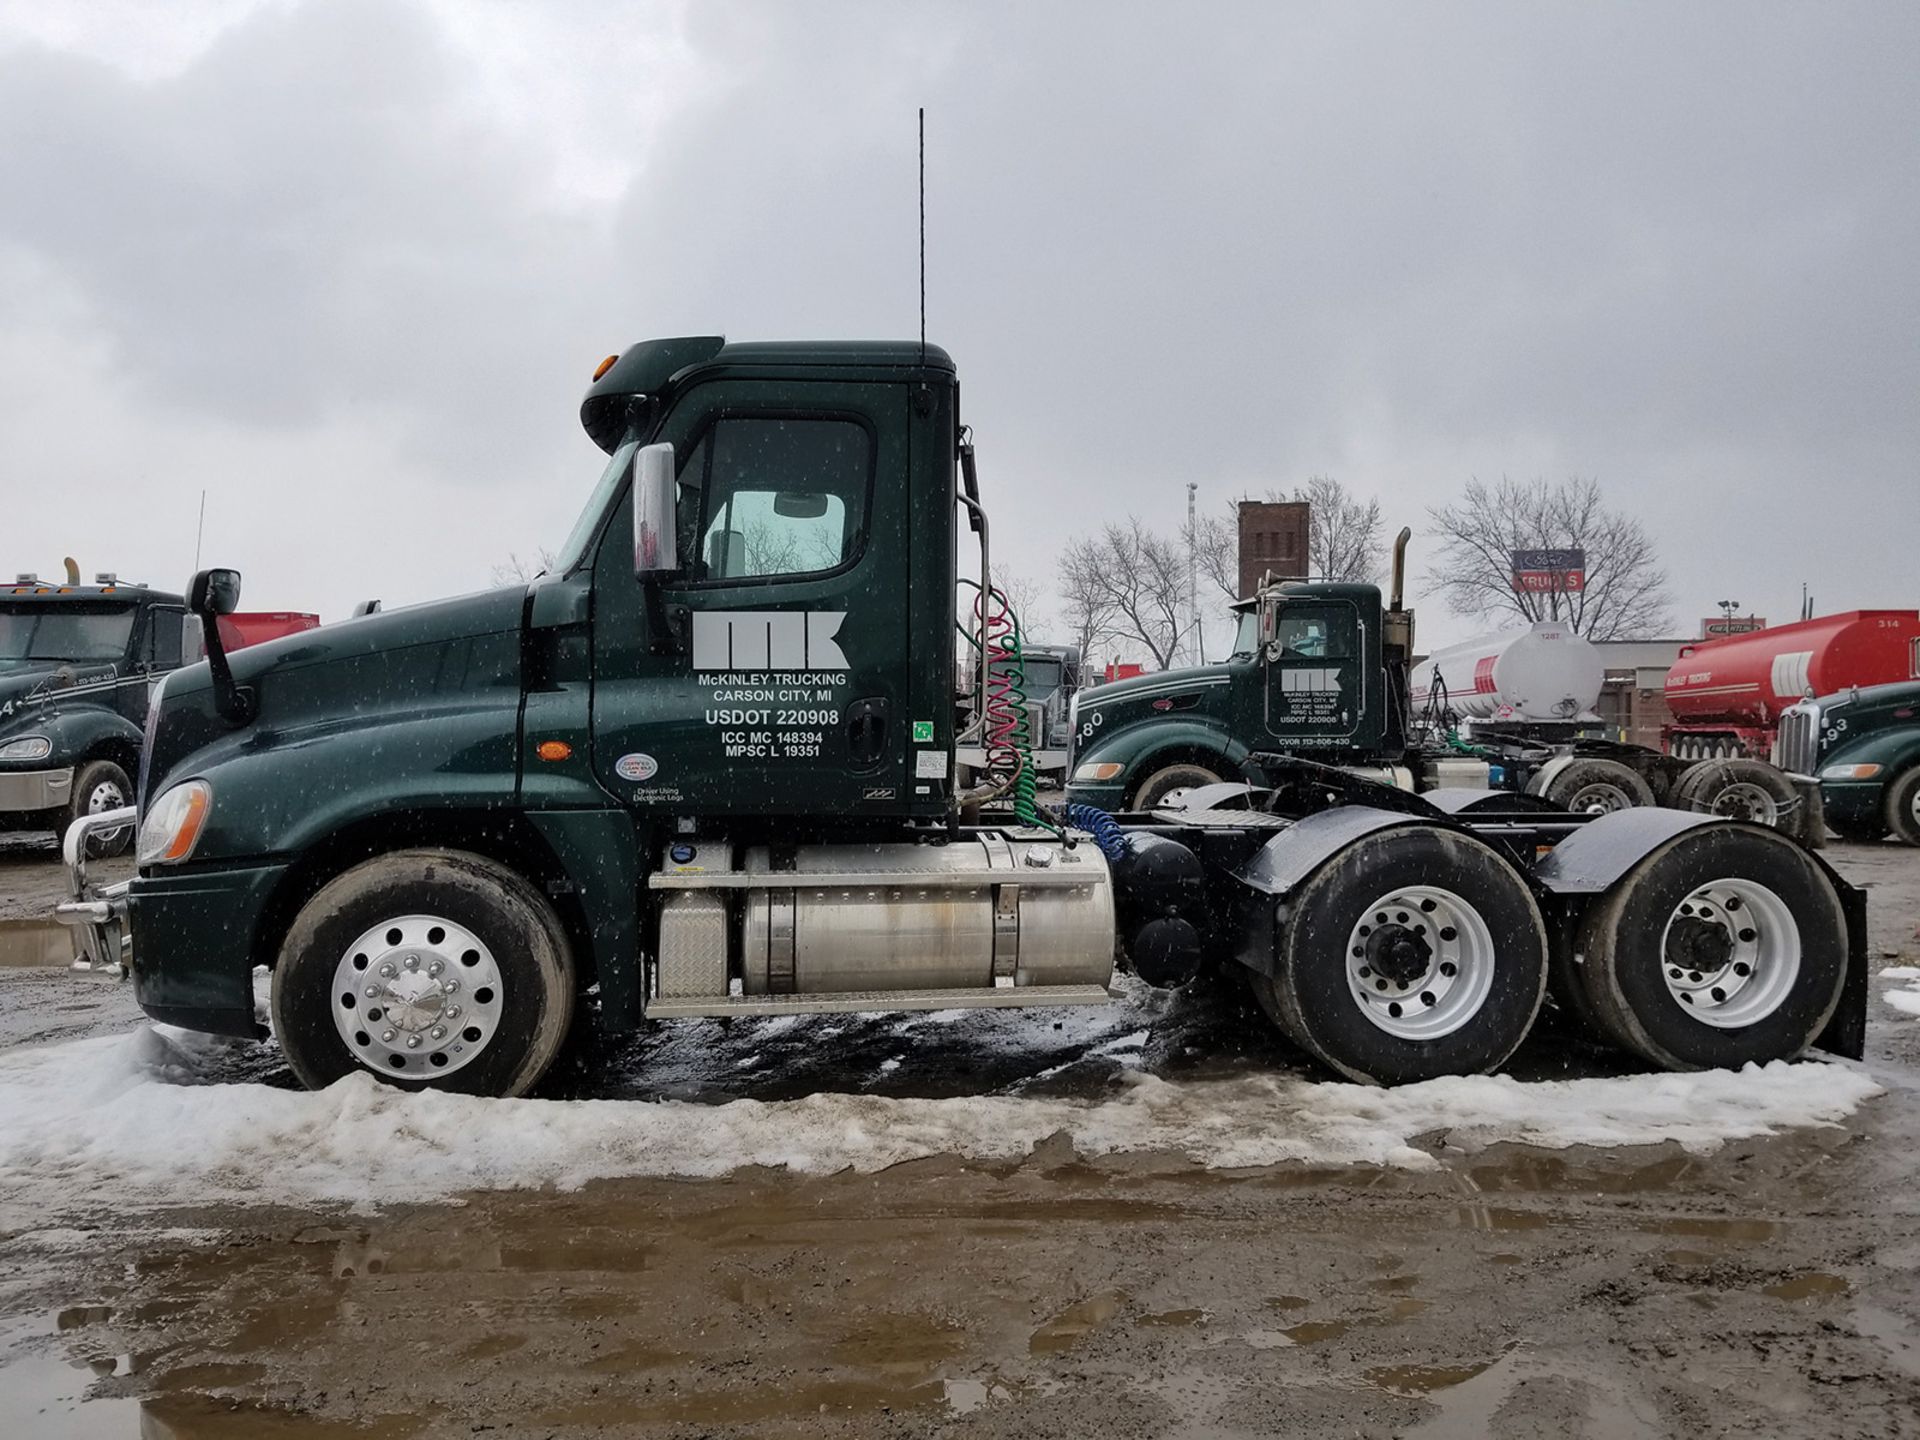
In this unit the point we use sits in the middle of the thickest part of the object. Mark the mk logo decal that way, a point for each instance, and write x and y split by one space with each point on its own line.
1313 682
768 640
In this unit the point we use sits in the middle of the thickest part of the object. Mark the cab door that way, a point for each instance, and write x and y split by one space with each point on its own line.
769 675
1316 693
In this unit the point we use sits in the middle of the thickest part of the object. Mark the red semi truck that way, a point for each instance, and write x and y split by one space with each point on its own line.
1727 695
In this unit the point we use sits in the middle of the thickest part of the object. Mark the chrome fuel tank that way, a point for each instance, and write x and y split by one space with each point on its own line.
1012 908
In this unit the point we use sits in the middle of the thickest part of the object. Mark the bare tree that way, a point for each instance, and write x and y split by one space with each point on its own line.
1086 611
1134 583
1027 599
1625 595
1344 539
515 571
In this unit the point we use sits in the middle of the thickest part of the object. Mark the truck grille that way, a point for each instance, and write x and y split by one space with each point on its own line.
1796 748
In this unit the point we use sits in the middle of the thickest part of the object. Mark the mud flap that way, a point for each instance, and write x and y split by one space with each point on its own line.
1846 1033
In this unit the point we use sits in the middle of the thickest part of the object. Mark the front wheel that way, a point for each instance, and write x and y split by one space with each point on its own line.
1412 954
426 968
1162 783
101 786
1903 806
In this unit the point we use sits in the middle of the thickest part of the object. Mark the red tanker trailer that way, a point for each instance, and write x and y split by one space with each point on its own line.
1726 695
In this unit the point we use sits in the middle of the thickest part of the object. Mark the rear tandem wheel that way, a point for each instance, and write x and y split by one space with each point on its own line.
1413 953
1725 946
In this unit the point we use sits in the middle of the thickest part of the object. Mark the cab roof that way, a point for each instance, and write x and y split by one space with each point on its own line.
47 591
653 367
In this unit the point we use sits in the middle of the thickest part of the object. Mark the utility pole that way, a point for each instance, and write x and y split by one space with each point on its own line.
1193 577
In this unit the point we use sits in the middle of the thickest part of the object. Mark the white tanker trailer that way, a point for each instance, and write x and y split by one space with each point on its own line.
1522 702
1543 674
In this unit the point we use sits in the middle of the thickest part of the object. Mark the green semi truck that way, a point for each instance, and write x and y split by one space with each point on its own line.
1864 744
1317 669
705 767
76 665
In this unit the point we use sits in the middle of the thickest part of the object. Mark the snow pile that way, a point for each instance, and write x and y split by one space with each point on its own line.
1904 998
107 1122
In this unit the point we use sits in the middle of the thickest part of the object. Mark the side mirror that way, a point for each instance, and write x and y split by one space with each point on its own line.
656 532
214 592
1269 621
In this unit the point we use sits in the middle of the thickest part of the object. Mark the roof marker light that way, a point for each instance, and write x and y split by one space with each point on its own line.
605 365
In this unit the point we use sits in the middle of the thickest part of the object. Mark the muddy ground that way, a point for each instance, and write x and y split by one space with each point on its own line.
1771 1288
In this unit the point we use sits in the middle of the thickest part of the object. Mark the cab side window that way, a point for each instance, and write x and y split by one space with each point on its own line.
764 496
1312 635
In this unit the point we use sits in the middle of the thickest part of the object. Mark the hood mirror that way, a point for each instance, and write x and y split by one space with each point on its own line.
214 592
211 594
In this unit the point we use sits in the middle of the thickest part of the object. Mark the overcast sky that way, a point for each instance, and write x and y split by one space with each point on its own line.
347 266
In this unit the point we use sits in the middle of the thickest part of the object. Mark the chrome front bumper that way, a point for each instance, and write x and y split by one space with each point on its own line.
35 789
97 912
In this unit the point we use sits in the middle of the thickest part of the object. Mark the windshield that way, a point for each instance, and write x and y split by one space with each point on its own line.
1043 677
575 550
1246 639
64 632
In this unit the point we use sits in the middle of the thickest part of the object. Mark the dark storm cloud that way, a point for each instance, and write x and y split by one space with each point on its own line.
1666 246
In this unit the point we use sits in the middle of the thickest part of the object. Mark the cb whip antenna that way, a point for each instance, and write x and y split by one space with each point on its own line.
923 235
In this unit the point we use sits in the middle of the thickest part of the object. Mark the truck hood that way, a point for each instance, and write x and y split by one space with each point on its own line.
436 622
24 681
1163 682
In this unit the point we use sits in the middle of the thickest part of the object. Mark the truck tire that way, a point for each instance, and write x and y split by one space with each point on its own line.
1163 782
1727 945
1903 806
101 786
429 969
1741 789
1598 785
1859 832
1417 952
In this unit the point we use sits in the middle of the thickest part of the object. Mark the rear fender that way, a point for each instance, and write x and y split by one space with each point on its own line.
1274 871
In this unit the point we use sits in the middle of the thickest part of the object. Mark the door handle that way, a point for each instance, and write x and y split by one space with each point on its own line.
866 732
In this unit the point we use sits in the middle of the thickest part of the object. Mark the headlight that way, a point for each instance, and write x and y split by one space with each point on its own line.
1851 772
173 824
1098 770
27 747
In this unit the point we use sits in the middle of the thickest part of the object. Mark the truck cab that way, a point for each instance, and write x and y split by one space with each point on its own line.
1307 676
77 665
1864 745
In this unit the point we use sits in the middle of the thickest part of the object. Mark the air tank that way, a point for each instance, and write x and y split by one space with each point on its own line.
1542 672
1749 679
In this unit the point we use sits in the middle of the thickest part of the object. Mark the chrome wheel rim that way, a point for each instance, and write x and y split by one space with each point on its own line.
1599 797
1730 953
1744 800
105 796
1420 962
417 995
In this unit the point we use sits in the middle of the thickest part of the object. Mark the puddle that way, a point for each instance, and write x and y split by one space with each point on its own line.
1074 1324
1288 1302
1423 1379
1312 1332
30 943
46 1373
752 1405
1751 1231
1807 1287
1175 1317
